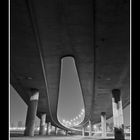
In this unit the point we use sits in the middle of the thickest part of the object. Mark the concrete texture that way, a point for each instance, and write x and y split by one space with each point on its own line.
94 32
42 130
31 114
117 115
103 124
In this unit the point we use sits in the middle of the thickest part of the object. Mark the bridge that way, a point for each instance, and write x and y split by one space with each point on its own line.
96 34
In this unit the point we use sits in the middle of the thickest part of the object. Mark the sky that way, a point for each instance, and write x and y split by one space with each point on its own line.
70 100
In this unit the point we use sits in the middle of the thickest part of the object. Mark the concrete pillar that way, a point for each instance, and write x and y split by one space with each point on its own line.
42 124
83 131
49 128
31 113
55 130
95 128
117 115
66 132
50 125
90 128
103 124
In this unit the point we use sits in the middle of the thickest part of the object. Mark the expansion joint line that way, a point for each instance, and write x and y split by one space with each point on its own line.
94 56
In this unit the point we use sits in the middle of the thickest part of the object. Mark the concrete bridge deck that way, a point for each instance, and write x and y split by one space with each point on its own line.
96 34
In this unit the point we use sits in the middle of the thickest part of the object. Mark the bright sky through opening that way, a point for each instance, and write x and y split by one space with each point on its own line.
70 104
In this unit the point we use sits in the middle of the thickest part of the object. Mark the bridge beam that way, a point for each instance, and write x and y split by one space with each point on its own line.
103 123
31 113
117 115
42 124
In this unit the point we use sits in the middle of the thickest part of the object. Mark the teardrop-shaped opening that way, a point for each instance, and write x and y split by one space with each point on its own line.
70 110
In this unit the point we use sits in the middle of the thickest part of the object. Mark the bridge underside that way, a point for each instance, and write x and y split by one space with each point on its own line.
95 33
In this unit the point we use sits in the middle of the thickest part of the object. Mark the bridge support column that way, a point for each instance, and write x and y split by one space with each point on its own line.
83 131
90 128
55 130
117 115
42 124
49 128
31 113
103 124
66 132
95 128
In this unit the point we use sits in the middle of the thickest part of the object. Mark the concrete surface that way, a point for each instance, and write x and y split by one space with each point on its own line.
44 31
